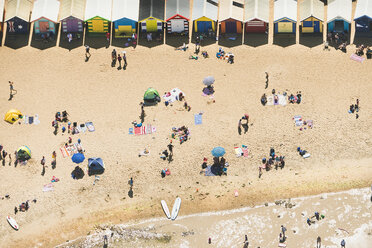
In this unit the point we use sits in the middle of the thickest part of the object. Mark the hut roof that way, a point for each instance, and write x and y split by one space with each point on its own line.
151 8
257 9
207 8
339 9
231 9
178 7
125 9
285 9
101 8
313 8
75 8
18 8
47 9
364 8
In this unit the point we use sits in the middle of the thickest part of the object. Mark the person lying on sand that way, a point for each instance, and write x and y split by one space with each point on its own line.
263 99
184 47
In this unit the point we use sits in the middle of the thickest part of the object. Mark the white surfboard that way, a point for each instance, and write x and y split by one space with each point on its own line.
176 208
12 223
307 155
165 208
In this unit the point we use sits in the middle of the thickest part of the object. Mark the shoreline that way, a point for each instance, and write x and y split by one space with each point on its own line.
87 224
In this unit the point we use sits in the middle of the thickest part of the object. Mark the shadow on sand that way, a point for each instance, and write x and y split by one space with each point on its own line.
176 40
157 39
284 40
16 41
256 39
230 40
77 41
311 39
363 38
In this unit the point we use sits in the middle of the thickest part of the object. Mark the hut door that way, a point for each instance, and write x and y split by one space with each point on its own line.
230 27
285 27
97 26
177 26
44 26
316 27
339 26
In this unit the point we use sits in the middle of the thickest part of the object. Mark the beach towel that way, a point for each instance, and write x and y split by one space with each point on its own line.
70 150
26 119
357 58
208 171
48 187
90 126
297 118
143 153
299 123
131 131
148 129
83 128
245 152
36 119
310 123
238 151
198 120
30 120
282 100
173 95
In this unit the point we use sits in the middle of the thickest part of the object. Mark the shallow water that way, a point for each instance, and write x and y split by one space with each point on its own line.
348 215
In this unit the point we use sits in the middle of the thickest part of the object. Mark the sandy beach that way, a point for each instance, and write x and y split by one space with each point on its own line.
55 79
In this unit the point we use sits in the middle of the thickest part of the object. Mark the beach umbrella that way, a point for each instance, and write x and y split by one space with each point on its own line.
218 151
23 153
78 158
208 80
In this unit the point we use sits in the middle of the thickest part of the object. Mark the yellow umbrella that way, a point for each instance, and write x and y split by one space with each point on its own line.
24 153
12 116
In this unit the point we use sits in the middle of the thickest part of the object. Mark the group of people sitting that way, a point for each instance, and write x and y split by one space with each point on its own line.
274 160
295 98
291 98
354 108
360 50
218 167
182 133
226 56
23 207
338 40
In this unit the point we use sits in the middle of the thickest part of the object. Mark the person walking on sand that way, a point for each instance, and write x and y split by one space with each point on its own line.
259 172
54 161
125 60
170 147
113 58
12 91
283 230
240 127
318 242
87 52
131 182
119 59
42 162
108 36
343 243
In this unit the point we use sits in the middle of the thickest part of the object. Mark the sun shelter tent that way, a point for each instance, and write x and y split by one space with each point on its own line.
23 153
45 16
177 16
98 15
339 15
151 97
151 15
205 15
231 16
256 15
95 166
285 16
363 16
71 15
17 15
125 17
12 116
312 16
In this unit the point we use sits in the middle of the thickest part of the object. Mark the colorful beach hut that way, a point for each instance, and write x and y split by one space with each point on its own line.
151 15
45 16
339 15
17 15
177 16
98 15
363 16
231 16
312 16
285 16
125 17
256 15
205 15
71 15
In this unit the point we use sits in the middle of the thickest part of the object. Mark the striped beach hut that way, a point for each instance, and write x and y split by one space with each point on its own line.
256 16
1 14
45 16
285 16
231 16
312 16
17 16
125 17
98 15
71 15
363 16
339 15
151 15
205 15
178 16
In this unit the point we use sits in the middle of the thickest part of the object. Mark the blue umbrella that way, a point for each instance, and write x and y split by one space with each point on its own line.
78 158
208 80
218 151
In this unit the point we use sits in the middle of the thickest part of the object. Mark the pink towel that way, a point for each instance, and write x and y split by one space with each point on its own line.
357 58
245 152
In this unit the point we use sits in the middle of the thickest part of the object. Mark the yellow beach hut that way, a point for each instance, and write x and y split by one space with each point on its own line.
151 15
312 16
205 15
98 15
